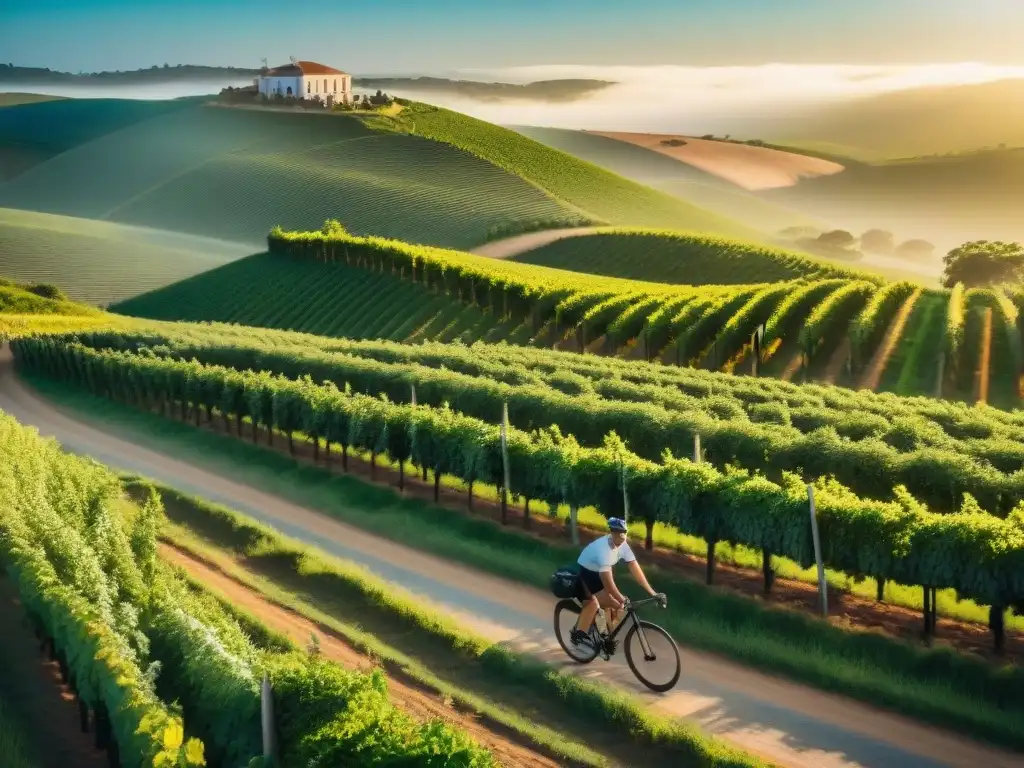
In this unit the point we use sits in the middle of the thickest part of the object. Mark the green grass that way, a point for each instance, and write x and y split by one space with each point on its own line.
60 124
935 685
233 174
598 193
411 638
100 262
278 292
675 257
16 743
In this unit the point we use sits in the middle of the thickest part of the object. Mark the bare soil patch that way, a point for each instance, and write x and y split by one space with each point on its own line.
753 168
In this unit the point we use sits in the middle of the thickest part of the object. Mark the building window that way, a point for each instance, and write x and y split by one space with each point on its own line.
335 85
289 90
309 87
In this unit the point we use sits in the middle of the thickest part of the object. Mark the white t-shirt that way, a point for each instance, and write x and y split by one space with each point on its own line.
599 555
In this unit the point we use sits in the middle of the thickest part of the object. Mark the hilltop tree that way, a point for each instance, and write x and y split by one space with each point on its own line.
983 262
877 241
915 249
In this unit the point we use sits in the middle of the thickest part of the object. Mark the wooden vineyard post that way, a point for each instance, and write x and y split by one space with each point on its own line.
625 494
696 449
504 463
822 584
573 529
267 721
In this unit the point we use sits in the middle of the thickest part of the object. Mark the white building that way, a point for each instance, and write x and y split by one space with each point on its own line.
306 80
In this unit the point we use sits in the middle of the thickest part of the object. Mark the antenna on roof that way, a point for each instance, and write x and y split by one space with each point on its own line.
293 60
264 60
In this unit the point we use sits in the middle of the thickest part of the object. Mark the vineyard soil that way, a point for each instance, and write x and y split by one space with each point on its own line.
420 704
32 684
784 722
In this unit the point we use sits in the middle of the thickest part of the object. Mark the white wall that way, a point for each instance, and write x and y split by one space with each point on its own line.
272 85
338 86
309 86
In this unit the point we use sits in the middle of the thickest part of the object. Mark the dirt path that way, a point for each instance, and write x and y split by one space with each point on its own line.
836 363
985 361
792 367
34 689
750 167
785 722
419 704
510 247
873 375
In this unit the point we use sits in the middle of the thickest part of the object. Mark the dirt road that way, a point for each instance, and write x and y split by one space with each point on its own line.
510 247
787 723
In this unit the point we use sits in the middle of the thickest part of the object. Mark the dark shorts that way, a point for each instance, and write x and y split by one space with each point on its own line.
592 581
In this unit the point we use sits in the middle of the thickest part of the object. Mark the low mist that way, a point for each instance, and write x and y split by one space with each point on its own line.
143 91
696 100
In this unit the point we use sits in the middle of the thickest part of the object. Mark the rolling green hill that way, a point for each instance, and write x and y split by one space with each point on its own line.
429 176
678 179
37 128
234 173
100 262
595 191
674 257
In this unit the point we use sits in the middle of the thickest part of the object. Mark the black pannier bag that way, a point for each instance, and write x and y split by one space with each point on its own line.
564 581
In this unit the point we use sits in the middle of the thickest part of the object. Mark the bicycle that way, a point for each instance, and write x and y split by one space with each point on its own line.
638 638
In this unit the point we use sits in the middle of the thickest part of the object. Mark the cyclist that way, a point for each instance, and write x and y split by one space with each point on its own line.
596 584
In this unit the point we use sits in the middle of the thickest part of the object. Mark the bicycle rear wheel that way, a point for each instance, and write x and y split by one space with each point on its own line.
567 616
653 656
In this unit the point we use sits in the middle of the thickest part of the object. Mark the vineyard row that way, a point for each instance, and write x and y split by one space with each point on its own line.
978 555
870 455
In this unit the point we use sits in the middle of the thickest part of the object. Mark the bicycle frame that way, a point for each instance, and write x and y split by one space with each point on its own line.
631 613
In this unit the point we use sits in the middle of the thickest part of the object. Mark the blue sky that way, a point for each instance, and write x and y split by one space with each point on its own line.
442 36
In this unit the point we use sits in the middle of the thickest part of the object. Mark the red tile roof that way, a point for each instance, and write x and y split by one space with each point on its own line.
299 68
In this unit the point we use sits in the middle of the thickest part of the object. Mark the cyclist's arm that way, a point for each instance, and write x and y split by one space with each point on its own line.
609 584
638 574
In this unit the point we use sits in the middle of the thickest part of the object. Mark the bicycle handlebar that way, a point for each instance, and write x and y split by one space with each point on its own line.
660 597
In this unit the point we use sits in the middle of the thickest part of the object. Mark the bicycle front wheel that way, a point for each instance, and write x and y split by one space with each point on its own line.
567 616
653 656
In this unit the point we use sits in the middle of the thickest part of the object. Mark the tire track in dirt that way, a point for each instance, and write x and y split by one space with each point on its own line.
873 375
985 361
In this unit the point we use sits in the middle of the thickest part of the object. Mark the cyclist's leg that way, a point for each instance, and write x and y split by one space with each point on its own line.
588 614
591 592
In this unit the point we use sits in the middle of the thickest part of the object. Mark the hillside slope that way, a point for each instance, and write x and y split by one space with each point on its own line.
678 179
233 174
37 128
596 191
100 262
